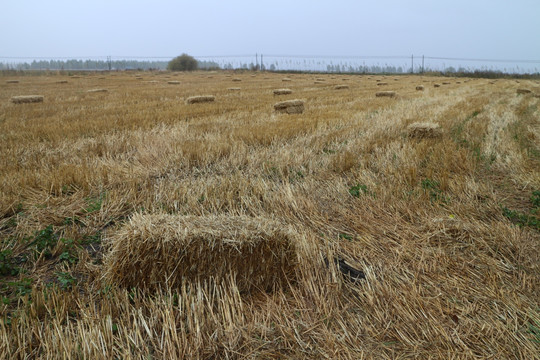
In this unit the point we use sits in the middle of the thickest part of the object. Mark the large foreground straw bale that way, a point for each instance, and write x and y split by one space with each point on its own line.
282 91
153 251
436 85
422 130
420 88
290 107
385 94
200 99
24 99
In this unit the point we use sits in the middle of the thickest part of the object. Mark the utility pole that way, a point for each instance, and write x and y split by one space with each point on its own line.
109 61
256 61
412 64
422 64
261 62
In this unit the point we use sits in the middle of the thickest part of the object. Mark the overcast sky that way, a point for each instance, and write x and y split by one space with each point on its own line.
500 29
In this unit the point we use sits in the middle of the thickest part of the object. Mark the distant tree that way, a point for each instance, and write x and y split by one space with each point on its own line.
183 62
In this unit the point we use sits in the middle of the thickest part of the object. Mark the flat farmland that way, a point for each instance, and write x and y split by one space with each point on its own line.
135 224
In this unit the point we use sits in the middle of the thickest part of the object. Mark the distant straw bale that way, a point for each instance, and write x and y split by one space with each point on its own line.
523 91
236 79
341 87
446 83
25 99
290 107
200 99
319 82
422 130
286 79
382 83
319 79
420 88
385 94
458 82
436 85
62 82
282 91
159 251
75 77
234 89
12 81
173 82
97 90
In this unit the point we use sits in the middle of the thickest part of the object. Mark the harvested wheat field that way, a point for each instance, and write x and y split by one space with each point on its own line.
135 225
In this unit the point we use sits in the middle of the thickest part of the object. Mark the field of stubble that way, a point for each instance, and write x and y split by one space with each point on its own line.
445 229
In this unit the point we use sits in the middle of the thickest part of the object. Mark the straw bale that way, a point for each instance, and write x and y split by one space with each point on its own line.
25 99
97 90
436 85
153 251
422 130
173 82
200 99
446 83
382 83
12 81
234 89
319 82
290 107
62 82
420 88
341 87
75 77
286 79
385 94
523 91
236 79
319 79
282 91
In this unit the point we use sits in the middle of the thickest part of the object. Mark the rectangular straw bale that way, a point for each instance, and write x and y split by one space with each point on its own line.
422 130
290 107
282 91
24 99
163 250
12 81
382 84
97 90
173 82
385 94
341 87
523 91
200 99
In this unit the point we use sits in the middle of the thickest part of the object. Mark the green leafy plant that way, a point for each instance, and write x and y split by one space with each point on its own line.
44 241
358 189
6 263
66 280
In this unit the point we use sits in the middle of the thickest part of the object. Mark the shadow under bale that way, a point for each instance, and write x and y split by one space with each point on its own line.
163 251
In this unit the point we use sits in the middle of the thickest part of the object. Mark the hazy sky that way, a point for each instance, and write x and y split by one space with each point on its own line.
473 28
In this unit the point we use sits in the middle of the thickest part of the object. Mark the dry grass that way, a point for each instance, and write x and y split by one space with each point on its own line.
442 228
